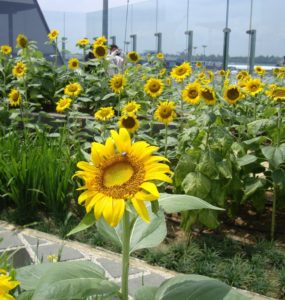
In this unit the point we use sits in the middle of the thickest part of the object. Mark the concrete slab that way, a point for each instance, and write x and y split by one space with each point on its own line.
10 240
33 241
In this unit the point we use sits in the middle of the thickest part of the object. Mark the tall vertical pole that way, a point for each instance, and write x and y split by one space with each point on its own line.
134 42
126 43
105 19
157 34
189 36
252 42
113 40
226 40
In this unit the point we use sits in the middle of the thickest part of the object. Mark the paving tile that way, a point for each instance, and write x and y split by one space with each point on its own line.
33 240
67 253
114 268
148 280
9 239
20 258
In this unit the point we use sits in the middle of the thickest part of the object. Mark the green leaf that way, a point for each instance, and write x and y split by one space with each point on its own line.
208 218
255 127
110 233
196 184
86 222
27 295
188 287
172 203
225 168
278 177
246 160
207 166
275 155
145 293
106 97
251 188
147 235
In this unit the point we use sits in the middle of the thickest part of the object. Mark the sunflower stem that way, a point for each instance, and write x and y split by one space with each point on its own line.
165 141
126 255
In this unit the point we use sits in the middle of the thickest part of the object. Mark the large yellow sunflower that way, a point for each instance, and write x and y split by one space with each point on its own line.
6 49
6 284
19 69
232 94
130 122
121 171
73 63
73 89
154 87
208 94
254 86
179 73
117 83
105 113
276 93
260 71
53 35
131 107
133 56
83 42
241 75
14 97
192 93
22 41
63 104
101 40
100 51
165 112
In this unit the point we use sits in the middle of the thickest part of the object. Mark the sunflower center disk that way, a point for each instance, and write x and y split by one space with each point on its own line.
117 174
154 87
233 94
193 93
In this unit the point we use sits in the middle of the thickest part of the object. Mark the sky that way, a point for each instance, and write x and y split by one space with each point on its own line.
206 19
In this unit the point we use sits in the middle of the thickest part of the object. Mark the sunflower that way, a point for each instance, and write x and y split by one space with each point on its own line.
63 104
165 112
208 94
100 51
130 122
154 87
254 86
73 89
276 93
232 94
281 73
83 42
73 63
260 71
160 56
241 75
179 73
121 171
192 93
15 97
199 64
53 35
6 284
133 56
162 72
105 113
117 83
6 49
22 41
19 69
222 73
131 107
101 40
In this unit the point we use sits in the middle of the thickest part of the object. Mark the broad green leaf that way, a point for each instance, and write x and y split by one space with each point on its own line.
251 188
257 126
188 287
225 168
110 233
85 223
145 293
208 218
172 203
147 235
246 160
196 184
106 97
275 155
207 166
278 177
27 295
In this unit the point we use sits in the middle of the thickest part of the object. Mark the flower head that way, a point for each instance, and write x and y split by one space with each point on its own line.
222 73
121 171
105 113
6 285
101 40
22 41
83 42
154 87
131 107
260 71
53 35
254 86
73 63
276 93
100 51
133 56
73 89
6 49
160 56
14 97
19 69
192 93
165 112
117 83
130 122
63 104
232 94
179 73
199 64
208 94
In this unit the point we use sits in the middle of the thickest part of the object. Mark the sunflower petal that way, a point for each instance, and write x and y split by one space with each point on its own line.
86 166
151 188
142 196
141 209
157 176
85 195
122 140
118 211
92 202
100 206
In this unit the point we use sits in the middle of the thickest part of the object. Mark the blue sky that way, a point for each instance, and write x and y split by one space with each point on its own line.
206 19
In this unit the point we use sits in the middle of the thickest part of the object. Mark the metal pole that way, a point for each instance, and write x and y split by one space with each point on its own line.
113 40
134 42
189 34
158 36
105 19
252 43
63 48
126 27
226 40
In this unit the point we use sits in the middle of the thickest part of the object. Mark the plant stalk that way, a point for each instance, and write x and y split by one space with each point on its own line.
126 255
165 140
273 217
